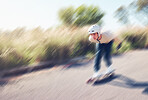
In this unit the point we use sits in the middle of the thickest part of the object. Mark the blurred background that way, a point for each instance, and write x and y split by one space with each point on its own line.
43 30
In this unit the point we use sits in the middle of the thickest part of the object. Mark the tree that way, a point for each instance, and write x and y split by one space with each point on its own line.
66 15
137 10
142 4
122 15
81 16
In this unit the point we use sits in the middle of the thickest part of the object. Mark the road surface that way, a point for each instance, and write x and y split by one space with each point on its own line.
129 83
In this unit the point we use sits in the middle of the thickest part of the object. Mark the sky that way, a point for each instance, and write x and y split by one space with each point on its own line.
44 13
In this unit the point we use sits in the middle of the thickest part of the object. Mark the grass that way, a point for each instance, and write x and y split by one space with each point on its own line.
138 38
22 47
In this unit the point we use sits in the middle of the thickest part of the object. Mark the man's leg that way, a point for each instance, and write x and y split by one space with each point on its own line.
100 51
107 57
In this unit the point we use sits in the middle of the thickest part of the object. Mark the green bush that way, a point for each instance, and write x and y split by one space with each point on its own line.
82 48
56 45
11 60
126 46
56 52
137 41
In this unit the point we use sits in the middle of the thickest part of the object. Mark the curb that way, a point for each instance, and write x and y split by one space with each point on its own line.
40 66
26 69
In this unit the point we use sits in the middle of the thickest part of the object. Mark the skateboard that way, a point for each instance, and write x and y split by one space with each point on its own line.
103 76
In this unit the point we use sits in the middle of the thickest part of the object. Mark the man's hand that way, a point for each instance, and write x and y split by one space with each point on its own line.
119 46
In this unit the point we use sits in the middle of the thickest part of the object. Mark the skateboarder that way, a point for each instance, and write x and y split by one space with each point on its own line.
104 42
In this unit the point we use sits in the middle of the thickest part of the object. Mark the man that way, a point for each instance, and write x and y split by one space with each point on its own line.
104 42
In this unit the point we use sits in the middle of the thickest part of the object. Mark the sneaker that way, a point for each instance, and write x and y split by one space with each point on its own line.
96 74
94 77
109 70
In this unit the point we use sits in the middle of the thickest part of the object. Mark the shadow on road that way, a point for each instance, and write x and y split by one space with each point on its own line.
3 82
145 91
125 82
106 80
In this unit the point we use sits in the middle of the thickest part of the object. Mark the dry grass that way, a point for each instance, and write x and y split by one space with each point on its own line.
138 37
23 47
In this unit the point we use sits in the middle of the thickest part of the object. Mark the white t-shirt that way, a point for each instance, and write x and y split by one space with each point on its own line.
106 37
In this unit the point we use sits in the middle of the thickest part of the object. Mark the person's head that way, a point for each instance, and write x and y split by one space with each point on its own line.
95 31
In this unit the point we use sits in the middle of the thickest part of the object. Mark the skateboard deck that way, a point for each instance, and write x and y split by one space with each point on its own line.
104 76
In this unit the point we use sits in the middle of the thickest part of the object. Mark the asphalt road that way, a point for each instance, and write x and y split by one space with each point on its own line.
129 83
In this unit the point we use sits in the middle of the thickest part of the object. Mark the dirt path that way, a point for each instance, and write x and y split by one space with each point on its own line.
129 83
